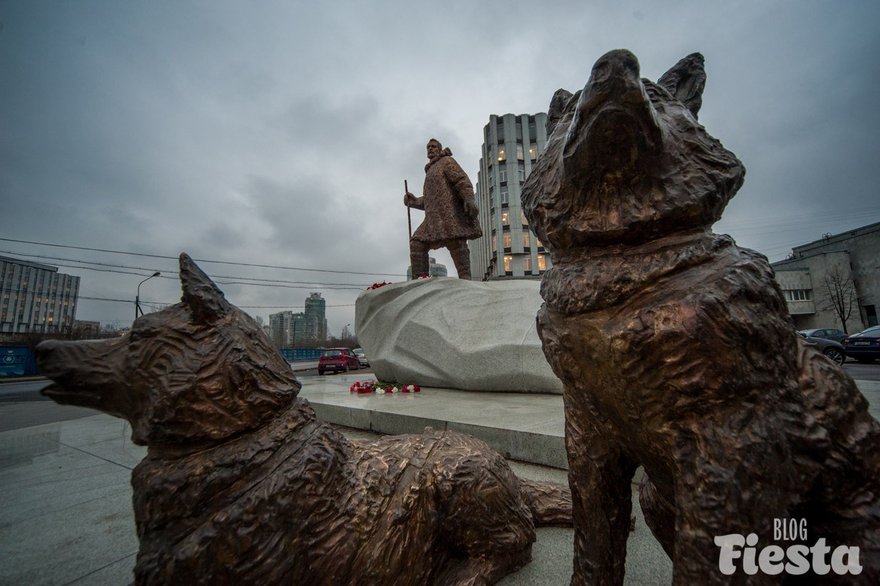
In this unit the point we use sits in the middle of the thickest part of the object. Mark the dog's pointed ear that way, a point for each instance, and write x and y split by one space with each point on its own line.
200 294
685 81
558 108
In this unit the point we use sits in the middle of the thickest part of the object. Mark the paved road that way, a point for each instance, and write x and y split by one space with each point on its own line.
860 371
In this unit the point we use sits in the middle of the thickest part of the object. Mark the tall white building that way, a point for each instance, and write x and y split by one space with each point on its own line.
508 247
36 298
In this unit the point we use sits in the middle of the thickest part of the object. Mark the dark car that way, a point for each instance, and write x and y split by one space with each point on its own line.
864 346
362 357
833 350
338 360
828 333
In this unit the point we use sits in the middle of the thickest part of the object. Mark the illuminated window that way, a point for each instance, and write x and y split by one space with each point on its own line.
538 242
526 239
502 153
507 260
527 263
542 263
505 218
519 152
523 219
507 239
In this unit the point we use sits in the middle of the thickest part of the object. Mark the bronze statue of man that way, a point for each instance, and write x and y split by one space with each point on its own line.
450 213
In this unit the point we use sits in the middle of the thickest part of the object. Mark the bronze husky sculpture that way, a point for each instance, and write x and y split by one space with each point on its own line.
243 485
677 352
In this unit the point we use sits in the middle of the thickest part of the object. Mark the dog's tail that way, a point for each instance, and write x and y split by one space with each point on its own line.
549 502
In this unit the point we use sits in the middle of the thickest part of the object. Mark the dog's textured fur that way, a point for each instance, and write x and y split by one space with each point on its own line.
243 485
675 346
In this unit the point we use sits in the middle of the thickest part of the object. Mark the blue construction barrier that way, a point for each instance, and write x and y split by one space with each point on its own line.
295 354
17 361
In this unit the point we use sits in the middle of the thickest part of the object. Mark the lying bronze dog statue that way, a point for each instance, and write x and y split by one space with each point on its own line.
243 485
677 352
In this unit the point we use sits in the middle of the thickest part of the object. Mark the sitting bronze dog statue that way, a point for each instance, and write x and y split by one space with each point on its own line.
678 354
243 485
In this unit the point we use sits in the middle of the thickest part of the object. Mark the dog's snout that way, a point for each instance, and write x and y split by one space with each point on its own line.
44 351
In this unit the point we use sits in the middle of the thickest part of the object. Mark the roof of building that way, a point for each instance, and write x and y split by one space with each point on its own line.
28 263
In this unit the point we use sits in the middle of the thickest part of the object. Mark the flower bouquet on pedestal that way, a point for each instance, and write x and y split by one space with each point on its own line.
366 387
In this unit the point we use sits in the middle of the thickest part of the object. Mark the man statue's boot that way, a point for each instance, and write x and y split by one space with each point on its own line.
418 262
461 257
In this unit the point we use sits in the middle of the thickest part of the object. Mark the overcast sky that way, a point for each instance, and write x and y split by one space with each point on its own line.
280 133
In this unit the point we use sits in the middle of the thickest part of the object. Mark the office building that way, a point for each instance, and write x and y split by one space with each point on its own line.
508 247
840 270
36 298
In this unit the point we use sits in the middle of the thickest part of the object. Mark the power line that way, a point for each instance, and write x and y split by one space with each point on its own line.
200 260
237 280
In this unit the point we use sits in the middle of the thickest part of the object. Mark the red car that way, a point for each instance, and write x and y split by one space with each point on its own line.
338 360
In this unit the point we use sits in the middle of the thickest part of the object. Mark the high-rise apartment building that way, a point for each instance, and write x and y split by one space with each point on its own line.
315 325
508 247
36 298
309 327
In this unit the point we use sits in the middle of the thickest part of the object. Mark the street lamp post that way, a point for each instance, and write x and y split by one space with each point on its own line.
137 297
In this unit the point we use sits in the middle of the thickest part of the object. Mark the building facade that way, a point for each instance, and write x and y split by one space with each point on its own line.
435 269
36 298
290 329
508 247
838 271
315 320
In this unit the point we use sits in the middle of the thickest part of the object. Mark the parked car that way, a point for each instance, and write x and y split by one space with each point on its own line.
864 346
828 333
362 357
833 350
338 360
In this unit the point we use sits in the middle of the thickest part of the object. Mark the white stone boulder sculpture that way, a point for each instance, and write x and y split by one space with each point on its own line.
452 333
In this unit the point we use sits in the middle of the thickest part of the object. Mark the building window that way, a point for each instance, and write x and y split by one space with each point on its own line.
527 263
507 240
504 195
798 294
538 242
526 239
494 245
502 174
507 262
502 153
542 263
505 218
523 218
519 152
533 152
521 171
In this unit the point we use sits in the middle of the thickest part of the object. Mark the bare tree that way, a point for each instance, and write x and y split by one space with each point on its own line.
841 294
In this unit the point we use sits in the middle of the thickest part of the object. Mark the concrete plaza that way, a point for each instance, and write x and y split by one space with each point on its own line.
66 515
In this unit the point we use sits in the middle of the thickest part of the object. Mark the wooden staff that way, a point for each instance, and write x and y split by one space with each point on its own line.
408 210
